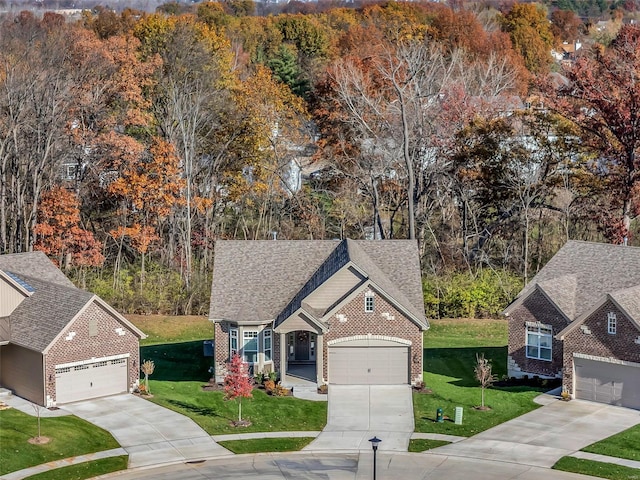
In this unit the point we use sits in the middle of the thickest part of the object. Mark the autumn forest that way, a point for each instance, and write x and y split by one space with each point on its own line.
130 142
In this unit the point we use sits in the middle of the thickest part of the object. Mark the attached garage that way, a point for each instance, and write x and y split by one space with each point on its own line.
369 362
97 378
604 381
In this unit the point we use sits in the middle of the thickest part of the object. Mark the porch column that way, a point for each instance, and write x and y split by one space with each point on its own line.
284 352
319 359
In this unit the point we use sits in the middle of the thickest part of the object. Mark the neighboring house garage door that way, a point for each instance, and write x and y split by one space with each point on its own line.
91 380
353 364
606 382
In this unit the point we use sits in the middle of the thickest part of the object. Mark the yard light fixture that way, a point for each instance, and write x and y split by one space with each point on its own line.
374 444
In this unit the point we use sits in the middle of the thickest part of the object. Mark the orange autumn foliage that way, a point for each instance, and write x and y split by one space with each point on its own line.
58 233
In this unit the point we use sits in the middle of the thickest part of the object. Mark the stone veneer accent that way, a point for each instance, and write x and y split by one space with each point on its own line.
359 323
109 341
599 343
535 308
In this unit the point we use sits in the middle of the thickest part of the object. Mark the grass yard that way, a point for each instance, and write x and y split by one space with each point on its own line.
449 374
418 445
70 436
257 445
180 372
597 469
172 329
625 444
84 470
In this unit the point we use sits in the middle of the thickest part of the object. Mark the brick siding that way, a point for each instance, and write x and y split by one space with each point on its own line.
599 342
358 322
83 347
535 308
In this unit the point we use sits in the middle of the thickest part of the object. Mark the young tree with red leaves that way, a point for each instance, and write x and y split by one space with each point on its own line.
237 383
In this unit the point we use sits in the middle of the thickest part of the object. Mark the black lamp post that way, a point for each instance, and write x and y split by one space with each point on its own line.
374 444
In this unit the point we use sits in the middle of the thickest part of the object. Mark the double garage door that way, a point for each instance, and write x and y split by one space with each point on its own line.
606 382
369 365
91 380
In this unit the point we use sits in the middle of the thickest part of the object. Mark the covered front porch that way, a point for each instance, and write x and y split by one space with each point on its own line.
301 357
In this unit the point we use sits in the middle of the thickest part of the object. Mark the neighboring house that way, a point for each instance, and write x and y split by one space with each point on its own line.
579 320
60 344
351 312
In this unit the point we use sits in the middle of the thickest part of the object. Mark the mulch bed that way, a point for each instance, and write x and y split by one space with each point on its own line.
241 423
39 440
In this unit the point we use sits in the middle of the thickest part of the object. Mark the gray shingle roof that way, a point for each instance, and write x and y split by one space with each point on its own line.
581 273
53 303
41 317
262 279
34 264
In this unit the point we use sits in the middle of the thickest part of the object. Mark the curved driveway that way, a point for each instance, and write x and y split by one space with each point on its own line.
310 466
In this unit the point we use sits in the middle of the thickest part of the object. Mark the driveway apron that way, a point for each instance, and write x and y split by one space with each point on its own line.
541 437
357 413
150 434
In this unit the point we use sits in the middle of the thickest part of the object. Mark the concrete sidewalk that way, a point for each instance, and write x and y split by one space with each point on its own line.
357 413
150 434
543 436
606 459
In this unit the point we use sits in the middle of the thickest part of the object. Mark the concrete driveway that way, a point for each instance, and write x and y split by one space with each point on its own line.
150 434
543 436
357 413
356 466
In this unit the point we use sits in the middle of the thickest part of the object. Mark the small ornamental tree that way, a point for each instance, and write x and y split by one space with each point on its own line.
147 367
483 374
237 383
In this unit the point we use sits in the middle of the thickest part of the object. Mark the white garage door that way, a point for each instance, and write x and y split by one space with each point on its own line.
369 365
91 380
606 382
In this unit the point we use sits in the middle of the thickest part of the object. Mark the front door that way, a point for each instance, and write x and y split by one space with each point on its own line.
302 346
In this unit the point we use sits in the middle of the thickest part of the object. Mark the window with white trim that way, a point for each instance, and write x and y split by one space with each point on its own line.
539 340
250 346
266 344
233 341
369 303
612 321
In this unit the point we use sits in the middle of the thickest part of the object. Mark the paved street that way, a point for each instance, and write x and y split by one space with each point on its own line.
359 412
312 466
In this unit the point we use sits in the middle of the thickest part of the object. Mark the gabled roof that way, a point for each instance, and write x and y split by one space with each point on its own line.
268 280
34 264
579 276
53 303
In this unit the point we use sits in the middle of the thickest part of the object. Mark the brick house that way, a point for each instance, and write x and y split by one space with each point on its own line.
349 312
579 320
60 344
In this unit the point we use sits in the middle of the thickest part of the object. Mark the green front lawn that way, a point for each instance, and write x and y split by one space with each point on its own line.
625 444
418 445
70 437
597 469
214 414
84 470
180 372
257 445
449 374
